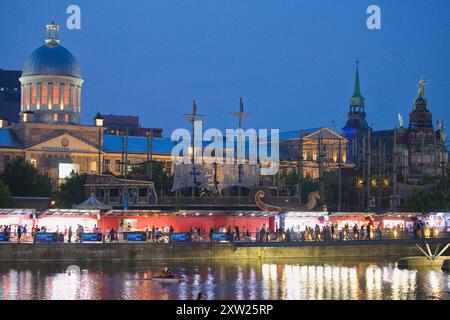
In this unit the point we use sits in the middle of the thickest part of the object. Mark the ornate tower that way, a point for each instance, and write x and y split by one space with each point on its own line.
51 83
356 126
426 148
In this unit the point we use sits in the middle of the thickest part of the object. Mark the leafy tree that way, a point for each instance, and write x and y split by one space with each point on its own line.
433 200
72 190
331 187
160 174
23 179
5 196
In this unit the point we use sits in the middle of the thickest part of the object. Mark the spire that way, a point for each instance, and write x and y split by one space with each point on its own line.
357 92
52 33
357 100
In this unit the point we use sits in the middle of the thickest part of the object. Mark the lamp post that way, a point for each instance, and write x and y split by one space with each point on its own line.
98 121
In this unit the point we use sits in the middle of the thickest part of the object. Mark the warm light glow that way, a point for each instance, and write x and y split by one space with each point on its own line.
99 122
44 94
75 96
55 117
66 118
33 162
55 94
66 95
33 94
25 97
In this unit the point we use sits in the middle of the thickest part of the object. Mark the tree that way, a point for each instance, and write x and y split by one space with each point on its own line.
23 179
433 200
5 196
160 174
72 190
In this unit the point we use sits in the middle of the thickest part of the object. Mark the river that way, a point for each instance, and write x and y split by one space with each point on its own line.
242 280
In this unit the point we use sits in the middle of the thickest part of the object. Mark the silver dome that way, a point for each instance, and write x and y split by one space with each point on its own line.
51 59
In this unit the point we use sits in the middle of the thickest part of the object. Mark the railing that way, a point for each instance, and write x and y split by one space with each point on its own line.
243 200
249 237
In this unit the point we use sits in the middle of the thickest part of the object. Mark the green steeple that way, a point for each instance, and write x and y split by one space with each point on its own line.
357 100
357 92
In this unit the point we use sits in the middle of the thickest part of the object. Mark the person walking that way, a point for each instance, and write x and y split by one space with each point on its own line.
69 234
19 233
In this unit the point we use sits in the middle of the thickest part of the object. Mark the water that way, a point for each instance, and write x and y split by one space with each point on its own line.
252 279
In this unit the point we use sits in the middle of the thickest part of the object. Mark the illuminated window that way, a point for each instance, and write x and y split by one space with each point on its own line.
75 96
93 166
33 162
44 94
66 95
55 94
25 95
33 94
117 166
66 118
55 117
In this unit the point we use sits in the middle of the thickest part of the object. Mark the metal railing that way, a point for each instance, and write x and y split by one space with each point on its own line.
248 237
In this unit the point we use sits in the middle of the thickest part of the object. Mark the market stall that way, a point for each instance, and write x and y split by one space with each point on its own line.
298 220
350 219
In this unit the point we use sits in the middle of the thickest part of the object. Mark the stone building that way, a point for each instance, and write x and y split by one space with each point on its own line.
50 135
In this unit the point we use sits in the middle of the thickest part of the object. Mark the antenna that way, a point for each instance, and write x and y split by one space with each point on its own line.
53 10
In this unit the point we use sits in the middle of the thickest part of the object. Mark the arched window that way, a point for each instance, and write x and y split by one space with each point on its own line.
33 94
66 118
66 95
55 117
25 95
44 94
75 97
55 94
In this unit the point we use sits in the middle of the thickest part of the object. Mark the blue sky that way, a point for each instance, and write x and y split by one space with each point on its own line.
292 61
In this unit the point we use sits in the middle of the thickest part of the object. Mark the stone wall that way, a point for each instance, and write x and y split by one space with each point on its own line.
197 251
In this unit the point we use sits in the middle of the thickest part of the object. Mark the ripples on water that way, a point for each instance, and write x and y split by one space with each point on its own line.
247 280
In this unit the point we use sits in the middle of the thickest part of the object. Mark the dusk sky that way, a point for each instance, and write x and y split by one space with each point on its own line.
293 62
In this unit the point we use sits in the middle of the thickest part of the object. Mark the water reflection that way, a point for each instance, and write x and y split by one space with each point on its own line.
247 280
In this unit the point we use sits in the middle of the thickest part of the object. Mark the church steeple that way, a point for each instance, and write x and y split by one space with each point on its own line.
357 92
357 100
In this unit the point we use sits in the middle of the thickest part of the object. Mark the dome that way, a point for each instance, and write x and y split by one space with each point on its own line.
51 59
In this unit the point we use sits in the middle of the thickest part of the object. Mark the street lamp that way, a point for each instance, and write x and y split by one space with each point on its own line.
98 121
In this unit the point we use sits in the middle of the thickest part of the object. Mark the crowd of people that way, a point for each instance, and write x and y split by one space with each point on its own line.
328 232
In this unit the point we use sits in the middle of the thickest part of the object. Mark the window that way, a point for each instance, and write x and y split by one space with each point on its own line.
93 166
66 118
55 94
55 117
25 95
6 159
66 95
107 165
117 166
33 95
75 96
44 94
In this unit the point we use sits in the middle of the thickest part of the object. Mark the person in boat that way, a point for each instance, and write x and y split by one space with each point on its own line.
166 273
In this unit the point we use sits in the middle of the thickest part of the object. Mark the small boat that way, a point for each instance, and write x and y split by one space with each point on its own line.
171 279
